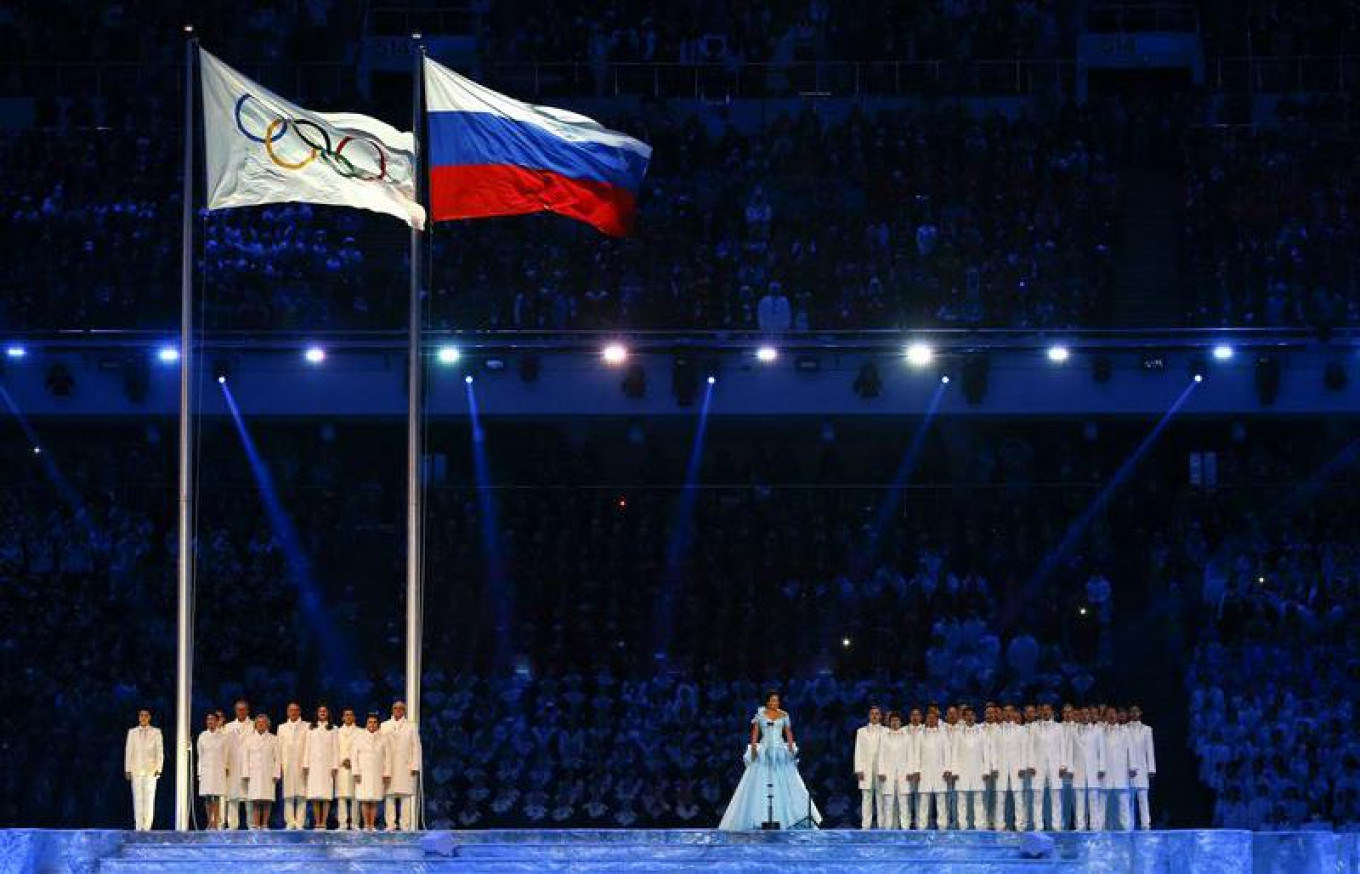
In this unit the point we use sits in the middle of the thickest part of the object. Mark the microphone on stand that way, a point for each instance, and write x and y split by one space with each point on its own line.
770 823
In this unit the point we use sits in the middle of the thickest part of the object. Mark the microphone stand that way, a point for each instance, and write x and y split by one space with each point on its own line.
770 823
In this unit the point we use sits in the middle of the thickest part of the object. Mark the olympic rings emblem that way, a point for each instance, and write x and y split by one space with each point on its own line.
317 142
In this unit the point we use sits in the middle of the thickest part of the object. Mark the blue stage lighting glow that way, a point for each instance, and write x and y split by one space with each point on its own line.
1058 354
168 354
1199 377
221 380
1223 353
15 352
314 355
468 379
615 353
944 380
37 450
712 380
767 354
448 355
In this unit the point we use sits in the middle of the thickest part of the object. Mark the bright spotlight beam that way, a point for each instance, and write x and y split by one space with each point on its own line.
448 355
1058 354
766 354
168 354
1223 352
314 355
615 353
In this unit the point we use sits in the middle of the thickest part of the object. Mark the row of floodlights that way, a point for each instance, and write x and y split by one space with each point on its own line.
917 354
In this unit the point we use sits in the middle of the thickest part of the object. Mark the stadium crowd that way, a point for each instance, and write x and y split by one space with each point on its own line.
545 728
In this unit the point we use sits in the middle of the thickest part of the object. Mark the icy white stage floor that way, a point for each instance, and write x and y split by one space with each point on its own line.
644 851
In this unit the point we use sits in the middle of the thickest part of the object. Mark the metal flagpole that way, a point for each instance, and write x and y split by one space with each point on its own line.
184 645
415 401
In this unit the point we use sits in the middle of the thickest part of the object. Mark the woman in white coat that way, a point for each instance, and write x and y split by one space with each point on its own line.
212 769
320 761
263 770
372 771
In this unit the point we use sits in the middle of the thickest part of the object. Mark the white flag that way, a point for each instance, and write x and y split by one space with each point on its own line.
262 149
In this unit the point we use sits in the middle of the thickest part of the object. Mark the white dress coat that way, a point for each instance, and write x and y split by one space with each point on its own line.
212 763
1118 758
1012 755
403 753
236 733
144 752
934 758
345 736
369 762
867 741
1049 748
896 760
1141 753
320 759
293 750
263 765
971 758
1087 756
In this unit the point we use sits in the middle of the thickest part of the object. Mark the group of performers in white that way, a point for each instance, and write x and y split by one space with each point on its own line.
241 763
1014 770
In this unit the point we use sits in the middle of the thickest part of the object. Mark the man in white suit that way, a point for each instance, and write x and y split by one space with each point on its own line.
1088 763
1144 763
236 733
1051 765
1011 762
867 740
404 757
292 736
896 759
1119 772
345 812
933 756
971 761
143 760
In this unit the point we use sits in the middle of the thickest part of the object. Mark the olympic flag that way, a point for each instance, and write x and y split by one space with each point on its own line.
492 155
262 149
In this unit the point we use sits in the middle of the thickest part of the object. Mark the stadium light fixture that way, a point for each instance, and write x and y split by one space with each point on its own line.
221 379
944 379
615 354
1199 377
448 355
919 354
15 352
314 355
712 380
468 379
1223 352
1058 354
766 354
167 354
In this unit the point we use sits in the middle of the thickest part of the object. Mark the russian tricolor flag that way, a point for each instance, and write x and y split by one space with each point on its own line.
491 155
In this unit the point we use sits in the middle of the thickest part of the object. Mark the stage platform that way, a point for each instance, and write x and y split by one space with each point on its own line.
682 850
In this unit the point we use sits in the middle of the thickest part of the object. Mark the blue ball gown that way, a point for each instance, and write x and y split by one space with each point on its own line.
772 772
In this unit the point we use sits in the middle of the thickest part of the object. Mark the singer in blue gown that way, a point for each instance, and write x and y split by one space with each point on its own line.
771 787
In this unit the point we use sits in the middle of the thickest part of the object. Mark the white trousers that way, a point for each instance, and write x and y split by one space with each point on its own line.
294 812
965 802
408 810
343 808
233 818
143 801
1018 801
1117 812
1054 793
1144 809
1088 808
923 805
